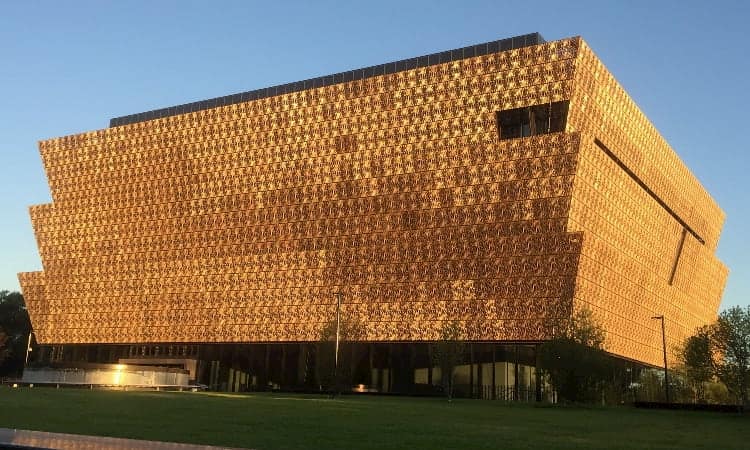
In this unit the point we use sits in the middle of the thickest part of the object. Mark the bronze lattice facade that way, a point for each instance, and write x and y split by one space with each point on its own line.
237 221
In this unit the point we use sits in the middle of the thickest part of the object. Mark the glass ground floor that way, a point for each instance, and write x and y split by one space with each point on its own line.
491 370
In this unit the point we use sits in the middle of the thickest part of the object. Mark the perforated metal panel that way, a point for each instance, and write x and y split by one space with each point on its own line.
238 223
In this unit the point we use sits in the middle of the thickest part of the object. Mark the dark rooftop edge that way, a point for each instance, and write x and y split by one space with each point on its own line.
525 40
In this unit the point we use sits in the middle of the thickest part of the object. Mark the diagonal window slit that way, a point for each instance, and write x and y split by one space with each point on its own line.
648 190
677 256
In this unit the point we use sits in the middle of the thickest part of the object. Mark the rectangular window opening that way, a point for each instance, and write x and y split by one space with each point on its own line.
532 120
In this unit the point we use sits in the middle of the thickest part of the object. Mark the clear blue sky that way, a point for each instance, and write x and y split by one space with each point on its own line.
67 67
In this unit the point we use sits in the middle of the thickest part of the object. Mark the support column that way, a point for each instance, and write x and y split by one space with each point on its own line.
494 381
480 375
516 385
369 370
266 368
537 374
318 382
471 370
429 366
390 368
233 355
381 386
301 365
412 366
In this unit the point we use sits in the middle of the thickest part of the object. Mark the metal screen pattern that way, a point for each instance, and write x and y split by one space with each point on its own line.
239 223
634 200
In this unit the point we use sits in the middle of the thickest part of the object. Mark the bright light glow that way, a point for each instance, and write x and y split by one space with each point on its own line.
118 373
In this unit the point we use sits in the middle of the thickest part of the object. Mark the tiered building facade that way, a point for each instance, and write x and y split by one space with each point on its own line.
501 185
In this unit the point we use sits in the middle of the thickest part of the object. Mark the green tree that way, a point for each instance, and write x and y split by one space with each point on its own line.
4 350
716 392
574 358
651 385
731 341
15 323
696 356
447 353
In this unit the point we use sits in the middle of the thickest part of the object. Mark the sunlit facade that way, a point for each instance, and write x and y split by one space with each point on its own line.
501 185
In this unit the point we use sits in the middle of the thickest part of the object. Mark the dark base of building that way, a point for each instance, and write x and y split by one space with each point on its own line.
494 370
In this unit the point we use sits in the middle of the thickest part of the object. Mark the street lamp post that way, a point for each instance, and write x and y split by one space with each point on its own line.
28 349
339 297
664 350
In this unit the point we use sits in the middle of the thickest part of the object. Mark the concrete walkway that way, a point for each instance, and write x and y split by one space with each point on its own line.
26 439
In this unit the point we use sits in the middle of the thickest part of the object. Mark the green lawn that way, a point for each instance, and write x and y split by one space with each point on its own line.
269 421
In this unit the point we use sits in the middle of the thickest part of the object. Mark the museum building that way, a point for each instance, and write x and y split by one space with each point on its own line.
499 187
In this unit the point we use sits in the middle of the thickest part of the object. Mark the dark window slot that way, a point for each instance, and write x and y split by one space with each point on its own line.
648 190
677 256
532 120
